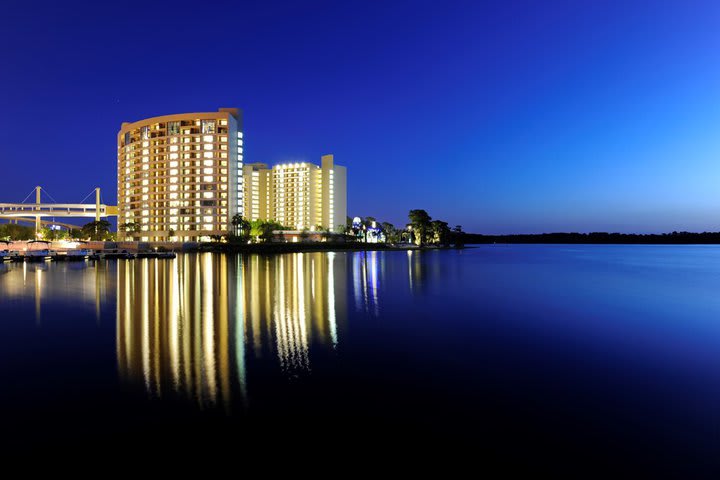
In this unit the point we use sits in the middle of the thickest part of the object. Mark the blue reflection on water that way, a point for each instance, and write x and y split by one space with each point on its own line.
597 348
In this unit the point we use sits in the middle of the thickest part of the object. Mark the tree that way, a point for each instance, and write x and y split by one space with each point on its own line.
97 231
262 230
440 232
13 231
51 235
458 235
420 221
391 233
325 232
241 226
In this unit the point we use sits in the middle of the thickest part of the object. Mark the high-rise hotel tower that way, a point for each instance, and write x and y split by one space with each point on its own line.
180 176
298 195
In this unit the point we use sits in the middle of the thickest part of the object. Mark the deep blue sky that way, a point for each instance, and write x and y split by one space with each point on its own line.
503 116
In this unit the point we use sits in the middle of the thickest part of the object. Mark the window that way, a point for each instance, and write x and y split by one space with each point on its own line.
173 128
208 126
127 138
145 132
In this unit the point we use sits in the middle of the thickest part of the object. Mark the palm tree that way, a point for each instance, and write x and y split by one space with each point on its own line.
241 226
96 230
420 221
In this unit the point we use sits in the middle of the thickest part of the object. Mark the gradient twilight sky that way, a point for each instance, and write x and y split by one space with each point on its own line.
502 116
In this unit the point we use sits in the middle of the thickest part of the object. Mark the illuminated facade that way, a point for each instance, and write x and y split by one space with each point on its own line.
180 176
298 195
257 191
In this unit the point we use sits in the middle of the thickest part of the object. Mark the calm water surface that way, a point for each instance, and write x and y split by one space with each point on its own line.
550 355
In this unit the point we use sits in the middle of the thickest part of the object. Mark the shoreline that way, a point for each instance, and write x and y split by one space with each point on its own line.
308 247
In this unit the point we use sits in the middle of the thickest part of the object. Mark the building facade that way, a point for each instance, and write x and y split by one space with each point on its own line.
180 177
298 195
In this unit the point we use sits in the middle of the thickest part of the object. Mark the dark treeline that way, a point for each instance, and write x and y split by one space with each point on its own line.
600 238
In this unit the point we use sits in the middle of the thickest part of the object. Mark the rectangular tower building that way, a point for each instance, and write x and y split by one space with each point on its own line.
257 191
298 195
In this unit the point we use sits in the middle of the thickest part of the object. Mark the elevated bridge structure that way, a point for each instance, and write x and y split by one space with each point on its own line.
38 210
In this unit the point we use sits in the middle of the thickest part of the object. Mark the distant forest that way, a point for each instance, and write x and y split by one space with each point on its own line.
599 237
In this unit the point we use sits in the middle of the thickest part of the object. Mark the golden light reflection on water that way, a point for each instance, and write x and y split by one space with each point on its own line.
191 325
196 324
81 283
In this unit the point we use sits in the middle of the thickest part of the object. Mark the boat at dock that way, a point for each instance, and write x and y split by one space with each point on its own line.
40 254
113 254
78 254
156 254
5 253
16 256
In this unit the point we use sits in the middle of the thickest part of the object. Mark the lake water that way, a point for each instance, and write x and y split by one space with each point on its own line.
551 356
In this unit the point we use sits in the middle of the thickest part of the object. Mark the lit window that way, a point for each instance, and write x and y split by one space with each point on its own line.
208 126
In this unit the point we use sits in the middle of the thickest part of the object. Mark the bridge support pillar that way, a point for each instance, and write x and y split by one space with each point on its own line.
97 204
38 225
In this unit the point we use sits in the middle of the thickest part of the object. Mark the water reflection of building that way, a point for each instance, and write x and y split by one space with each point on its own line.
86 283
365 281
195 324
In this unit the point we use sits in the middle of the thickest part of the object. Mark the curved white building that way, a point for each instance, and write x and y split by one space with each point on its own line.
180 176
